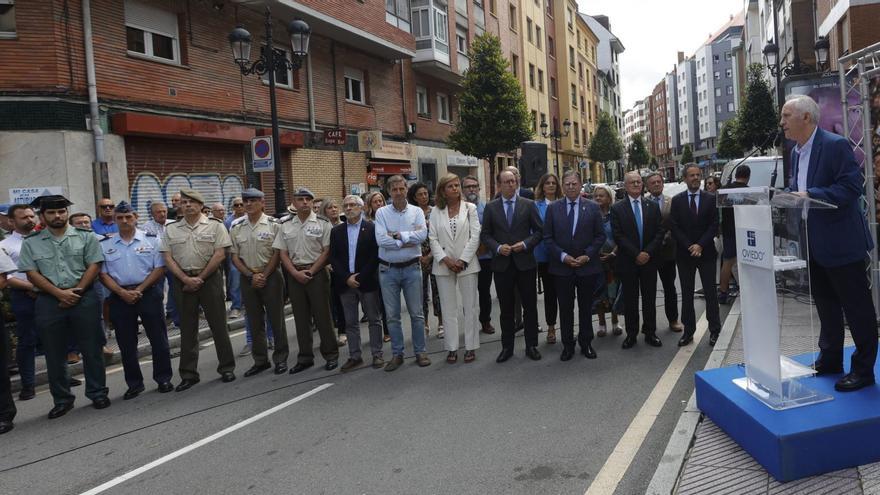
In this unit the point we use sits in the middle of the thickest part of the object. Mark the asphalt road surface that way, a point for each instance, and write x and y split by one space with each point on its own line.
521 427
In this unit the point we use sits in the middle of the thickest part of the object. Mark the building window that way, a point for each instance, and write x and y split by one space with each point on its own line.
492 7
728 73
715 59
151 32
730 107
718 108
580 71
397 13
354 86
514 65
717 75
717 92
283 77
570 18
551 46
571 56
540 80
422 101
539 35
7 18
461 44
534 121
550 8
727 56
552 87
442 108
441 24
421 23
577 133
529 30
511 12
729 90
582 103
574 96
532 76
543 117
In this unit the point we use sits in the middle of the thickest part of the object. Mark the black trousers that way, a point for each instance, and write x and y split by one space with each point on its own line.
550 297
565 290
642 281
666 270
843 291
508 284
484 290
687 268
7 406
124 317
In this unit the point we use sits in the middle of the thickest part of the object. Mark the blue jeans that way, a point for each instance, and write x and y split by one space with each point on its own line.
235 287
409 281
247 331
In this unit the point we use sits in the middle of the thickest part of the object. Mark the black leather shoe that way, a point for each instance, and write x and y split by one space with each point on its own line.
331 365
504 355
186 383
165 387
822 370
257 368
532 353
588 352
132 392
628 342
75 382
6 426
102 403
653 341
685 340
227 376
26 393
852 382
713 338
60 410
300 367
280 368
567 354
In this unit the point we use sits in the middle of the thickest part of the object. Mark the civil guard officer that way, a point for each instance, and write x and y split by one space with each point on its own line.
133 272
63 261
304 245
262 285
194 247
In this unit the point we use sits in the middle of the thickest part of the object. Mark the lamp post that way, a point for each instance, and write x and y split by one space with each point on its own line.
556 135
271 60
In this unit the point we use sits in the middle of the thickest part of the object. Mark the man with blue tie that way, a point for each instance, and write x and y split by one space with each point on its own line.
133 272
638 231
824 168
573 234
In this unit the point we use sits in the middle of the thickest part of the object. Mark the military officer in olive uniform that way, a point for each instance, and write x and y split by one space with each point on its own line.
132 274
63 262
262 285
304 245
194 247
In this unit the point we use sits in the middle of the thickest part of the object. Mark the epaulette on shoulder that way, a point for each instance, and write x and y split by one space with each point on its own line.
101 239
273 220
172 222
285 218
322 217
215 219
85 230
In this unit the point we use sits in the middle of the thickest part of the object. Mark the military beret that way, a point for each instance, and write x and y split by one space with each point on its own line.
303 192
252 193
192 194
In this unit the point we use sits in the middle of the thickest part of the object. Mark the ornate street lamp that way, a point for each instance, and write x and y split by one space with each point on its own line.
822 47
556 135
272 60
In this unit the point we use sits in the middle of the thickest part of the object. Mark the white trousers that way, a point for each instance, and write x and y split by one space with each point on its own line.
459 315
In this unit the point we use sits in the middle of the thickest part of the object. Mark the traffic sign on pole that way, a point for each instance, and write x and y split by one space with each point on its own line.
261 153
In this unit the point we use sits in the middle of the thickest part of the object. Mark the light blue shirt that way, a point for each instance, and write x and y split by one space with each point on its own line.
409 223
803 165
129 263
354 230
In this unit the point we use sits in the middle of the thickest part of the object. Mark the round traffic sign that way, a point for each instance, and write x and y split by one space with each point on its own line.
262 148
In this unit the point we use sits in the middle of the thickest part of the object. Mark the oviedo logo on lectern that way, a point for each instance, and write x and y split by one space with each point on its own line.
752 254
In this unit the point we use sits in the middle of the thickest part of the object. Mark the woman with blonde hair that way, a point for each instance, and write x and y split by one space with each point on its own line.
609 292
454 237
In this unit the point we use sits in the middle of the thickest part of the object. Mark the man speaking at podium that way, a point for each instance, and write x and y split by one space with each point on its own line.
824 168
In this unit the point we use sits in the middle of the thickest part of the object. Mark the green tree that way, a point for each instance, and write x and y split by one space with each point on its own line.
728 143
637 152
757 118
493 117
606 145
687 156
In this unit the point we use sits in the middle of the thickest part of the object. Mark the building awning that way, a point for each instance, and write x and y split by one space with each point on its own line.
164 126
390 168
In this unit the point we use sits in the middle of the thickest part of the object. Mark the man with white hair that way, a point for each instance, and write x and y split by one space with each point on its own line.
824 168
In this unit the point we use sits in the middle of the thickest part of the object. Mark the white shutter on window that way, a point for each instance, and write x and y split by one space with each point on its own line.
149 18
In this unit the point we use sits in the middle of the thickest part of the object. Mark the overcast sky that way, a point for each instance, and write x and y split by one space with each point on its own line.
653 32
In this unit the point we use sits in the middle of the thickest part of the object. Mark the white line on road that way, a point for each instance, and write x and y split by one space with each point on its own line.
618 462
189 448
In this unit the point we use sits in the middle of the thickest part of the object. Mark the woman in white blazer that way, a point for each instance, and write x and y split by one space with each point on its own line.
454 236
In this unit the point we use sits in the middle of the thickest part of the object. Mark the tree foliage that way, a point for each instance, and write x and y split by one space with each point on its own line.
757 119
493 117
606 145
728 142
687 156
637 152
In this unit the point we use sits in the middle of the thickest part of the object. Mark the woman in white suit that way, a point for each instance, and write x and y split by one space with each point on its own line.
454 236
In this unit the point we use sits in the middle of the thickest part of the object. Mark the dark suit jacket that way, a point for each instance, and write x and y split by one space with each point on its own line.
834 177
626 234
366 258
689 230
527 226
589 236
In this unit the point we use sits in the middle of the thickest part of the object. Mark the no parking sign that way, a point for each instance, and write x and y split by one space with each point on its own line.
261 154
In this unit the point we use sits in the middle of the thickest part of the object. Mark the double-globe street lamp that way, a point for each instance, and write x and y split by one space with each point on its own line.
556 135
796 67
272 60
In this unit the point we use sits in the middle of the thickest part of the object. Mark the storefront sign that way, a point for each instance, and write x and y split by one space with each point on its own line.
461 161
24 195
335 137
393 150
369 140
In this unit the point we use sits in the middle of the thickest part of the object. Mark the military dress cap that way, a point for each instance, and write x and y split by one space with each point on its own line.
303 192
252 193
123 207
4 208
192 194
51 202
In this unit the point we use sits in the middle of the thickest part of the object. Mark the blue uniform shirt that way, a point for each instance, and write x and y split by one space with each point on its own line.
130 263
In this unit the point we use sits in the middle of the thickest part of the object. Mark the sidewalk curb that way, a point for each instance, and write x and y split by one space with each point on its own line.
675 455
41 377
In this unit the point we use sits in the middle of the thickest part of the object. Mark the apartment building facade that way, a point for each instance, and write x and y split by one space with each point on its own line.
607 61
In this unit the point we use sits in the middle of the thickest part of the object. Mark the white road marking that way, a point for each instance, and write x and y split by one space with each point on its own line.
624 452
189 448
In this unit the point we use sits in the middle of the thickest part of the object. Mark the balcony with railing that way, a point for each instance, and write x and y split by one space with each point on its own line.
430 22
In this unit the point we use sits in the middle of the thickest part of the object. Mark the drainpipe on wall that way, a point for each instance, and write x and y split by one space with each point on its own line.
336 104
311 93
100 174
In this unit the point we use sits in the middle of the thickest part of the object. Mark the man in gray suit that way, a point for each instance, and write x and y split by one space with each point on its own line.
511 229
666 255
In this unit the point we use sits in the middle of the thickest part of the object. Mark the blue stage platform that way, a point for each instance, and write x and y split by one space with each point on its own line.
799 442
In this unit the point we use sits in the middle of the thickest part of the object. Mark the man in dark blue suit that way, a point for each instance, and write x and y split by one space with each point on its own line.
694 223
638 232
824 168
573 234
